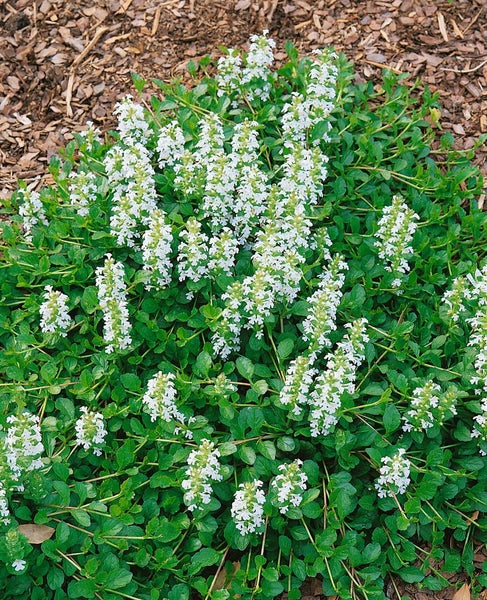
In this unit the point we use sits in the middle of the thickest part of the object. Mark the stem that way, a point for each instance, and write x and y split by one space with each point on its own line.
220 566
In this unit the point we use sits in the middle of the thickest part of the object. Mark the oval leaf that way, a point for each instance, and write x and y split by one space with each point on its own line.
36 534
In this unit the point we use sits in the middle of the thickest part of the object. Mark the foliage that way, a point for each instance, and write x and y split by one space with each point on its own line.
243 371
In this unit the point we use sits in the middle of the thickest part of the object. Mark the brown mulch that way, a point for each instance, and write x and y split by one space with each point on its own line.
64 62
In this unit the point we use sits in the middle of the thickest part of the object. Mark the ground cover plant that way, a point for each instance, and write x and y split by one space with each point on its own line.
244 343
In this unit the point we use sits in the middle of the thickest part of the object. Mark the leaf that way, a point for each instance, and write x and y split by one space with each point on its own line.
285 348
463 593
245 367
36 534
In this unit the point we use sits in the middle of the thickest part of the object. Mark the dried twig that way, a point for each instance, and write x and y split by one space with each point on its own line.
155 23
98 33
69 94
383 66
472 70
442 26
124 6
473 21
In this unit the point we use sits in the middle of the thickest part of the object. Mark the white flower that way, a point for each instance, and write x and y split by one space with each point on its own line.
23 444
19 564
4 509
156 250
131 177
32 212
337 378
394 475
229 72
132 126
480 429
54 312
91 136
324 302
315 104
170 145
193 252
203 467
455 298
296 389
257 62
425 399
113 303
396 229
248 507
159 399
289 486
223 386
82 190
90 430
223 250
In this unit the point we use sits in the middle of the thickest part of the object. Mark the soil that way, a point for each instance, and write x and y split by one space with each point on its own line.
64 62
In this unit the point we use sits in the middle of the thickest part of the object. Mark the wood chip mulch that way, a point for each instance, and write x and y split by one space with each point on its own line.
64 62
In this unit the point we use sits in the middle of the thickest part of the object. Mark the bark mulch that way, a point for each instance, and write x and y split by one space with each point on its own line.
64 62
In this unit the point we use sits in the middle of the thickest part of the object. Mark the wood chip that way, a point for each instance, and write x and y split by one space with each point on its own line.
442 26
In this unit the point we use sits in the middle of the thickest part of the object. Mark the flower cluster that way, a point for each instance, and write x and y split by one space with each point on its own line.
83 190
396 229
20 452
131 177
13 547
289 486
90 430
232 76
90 137
113 302
279 250
257 66
32 212
314 105
324 302
337 379
170 145
156 250
299 379
160 398
419 416
54 312
223 386
248 507
454 298
23 445
478 323
203 467
229 72
394 475
429 405
480 428
193 251
132 125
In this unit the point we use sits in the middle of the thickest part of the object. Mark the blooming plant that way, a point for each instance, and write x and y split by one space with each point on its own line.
243 343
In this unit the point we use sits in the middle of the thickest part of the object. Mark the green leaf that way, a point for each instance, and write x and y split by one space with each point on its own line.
81 516
285 348
286 444
85 588
179 592
247 454
119 578
411 574
203 364
245 367
131 382
391 418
